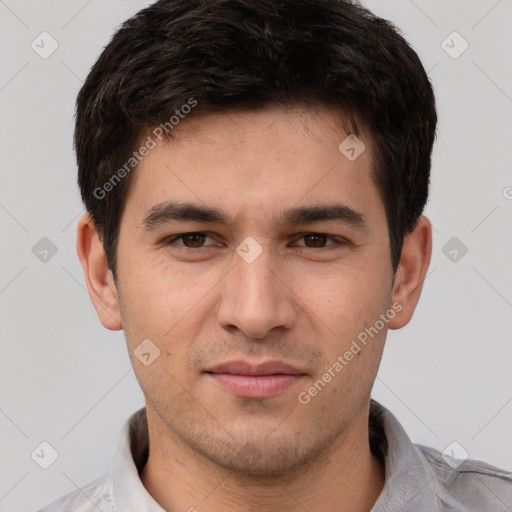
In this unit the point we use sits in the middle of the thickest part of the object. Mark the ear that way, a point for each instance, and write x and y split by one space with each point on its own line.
98 277
411 273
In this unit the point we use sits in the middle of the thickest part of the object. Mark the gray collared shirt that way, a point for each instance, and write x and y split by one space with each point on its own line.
418 478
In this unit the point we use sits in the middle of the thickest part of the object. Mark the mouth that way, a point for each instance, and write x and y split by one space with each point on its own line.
256 381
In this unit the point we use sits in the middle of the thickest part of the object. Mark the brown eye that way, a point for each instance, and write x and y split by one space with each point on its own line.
316 240
320 241
188 241
193 240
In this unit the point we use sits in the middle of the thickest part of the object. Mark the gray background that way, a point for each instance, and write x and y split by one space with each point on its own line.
66 380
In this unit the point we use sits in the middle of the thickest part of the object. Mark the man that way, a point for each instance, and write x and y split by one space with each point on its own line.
255 175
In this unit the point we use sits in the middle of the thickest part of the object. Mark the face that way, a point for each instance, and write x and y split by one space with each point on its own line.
253 253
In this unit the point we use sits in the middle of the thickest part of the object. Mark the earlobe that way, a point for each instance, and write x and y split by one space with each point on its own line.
411 273
98 277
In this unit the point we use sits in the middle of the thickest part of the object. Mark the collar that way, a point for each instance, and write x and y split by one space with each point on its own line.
409 478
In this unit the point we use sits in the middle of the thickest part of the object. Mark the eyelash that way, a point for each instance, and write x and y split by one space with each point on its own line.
337 241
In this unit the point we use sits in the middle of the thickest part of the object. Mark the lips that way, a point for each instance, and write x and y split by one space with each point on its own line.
257 381
266 368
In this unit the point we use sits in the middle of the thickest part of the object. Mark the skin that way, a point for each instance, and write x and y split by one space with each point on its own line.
298 302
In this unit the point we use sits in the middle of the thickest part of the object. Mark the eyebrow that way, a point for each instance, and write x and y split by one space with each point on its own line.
167 212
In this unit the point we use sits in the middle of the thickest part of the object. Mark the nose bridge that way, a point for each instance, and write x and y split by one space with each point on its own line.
254 299
257 278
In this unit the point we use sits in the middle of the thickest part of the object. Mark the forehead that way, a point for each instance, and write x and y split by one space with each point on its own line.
250 163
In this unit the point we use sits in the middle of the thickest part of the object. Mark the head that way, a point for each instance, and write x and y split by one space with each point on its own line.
227 119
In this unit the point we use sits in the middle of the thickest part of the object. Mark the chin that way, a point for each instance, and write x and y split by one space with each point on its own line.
262 458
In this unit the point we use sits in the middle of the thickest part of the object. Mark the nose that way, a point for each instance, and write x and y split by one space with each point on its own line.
257 297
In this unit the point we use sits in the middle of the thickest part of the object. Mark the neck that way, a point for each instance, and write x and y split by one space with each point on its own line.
348 477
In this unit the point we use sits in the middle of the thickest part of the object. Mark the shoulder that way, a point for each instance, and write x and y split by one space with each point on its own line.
90 498
470 482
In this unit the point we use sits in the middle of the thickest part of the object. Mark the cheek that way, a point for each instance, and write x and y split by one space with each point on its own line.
156 292
168 306
346 301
